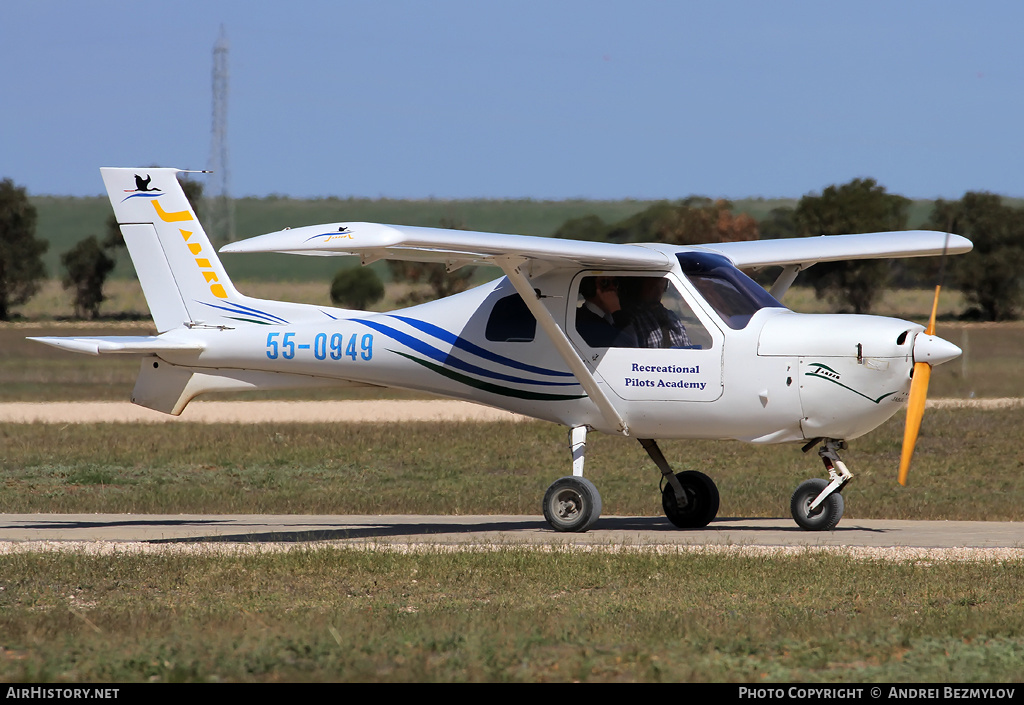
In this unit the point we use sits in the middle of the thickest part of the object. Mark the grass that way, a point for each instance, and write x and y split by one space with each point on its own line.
967 467
328 614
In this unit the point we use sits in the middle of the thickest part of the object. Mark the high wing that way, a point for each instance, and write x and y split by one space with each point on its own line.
372 241
830 248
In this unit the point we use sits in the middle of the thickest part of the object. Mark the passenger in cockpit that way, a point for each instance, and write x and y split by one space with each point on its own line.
599 320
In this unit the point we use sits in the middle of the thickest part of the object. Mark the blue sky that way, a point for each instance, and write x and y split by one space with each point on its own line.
546 100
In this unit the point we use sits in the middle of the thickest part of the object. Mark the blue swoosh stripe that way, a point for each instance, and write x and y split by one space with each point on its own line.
448 359
256 311
142 195
463 344
239 309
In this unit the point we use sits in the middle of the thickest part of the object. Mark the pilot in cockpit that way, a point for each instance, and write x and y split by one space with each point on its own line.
653 325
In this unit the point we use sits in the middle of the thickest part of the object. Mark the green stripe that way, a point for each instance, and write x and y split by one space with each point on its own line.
487 386
829 379
248 320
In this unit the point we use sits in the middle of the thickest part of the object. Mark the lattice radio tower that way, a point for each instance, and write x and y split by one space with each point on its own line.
221 207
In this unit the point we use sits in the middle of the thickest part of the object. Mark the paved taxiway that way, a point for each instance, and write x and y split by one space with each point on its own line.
50 531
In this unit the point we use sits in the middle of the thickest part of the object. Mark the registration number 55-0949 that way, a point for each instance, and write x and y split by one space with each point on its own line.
323 346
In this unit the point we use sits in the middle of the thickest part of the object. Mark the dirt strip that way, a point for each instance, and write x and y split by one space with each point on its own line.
376 411
1000 403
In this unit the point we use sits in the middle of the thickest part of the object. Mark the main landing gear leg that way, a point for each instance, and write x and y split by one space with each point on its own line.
573 503
817 505
690 499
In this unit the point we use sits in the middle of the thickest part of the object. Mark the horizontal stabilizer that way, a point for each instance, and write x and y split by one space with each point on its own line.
127 344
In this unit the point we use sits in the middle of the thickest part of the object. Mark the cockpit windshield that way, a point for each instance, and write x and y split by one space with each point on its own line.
734 296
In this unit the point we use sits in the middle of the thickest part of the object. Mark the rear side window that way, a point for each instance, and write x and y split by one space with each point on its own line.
511 321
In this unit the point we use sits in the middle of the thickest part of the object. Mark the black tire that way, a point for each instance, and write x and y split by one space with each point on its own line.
572 504
828 513
702 501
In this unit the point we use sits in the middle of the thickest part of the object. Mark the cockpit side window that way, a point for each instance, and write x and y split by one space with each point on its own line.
637 312
734 296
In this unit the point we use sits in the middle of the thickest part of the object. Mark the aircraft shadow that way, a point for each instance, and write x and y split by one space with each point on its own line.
509 528
374 531
110 524
662 524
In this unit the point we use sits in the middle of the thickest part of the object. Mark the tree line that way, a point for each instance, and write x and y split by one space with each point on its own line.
991 277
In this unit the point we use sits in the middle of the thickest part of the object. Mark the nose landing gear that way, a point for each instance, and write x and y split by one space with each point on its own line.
817 505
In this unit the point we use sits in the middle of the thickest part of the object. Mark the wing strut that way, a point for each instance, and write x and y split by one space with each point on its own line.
785 280
512 268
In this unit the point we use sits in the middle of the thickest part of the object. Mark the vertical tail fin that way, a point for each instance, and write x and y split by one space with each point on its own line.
182 278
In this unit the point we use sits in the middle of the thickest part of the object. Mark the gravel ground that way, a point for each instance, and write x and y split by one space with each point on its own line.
917 555
314 411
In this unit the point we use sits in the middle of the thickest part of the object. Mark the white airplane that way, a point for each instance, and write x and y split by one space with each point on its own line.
645 340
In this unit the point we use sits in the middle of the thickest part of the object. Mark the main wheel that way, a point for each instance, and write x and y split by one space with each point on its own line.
701 500
828 513
572 504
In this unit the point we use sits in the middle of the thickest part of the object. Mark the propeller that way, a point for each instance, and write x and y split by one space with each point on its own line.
929 350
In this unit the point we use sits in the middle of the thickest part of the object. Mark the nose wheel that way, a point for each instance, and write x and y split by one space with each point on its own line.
825 515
